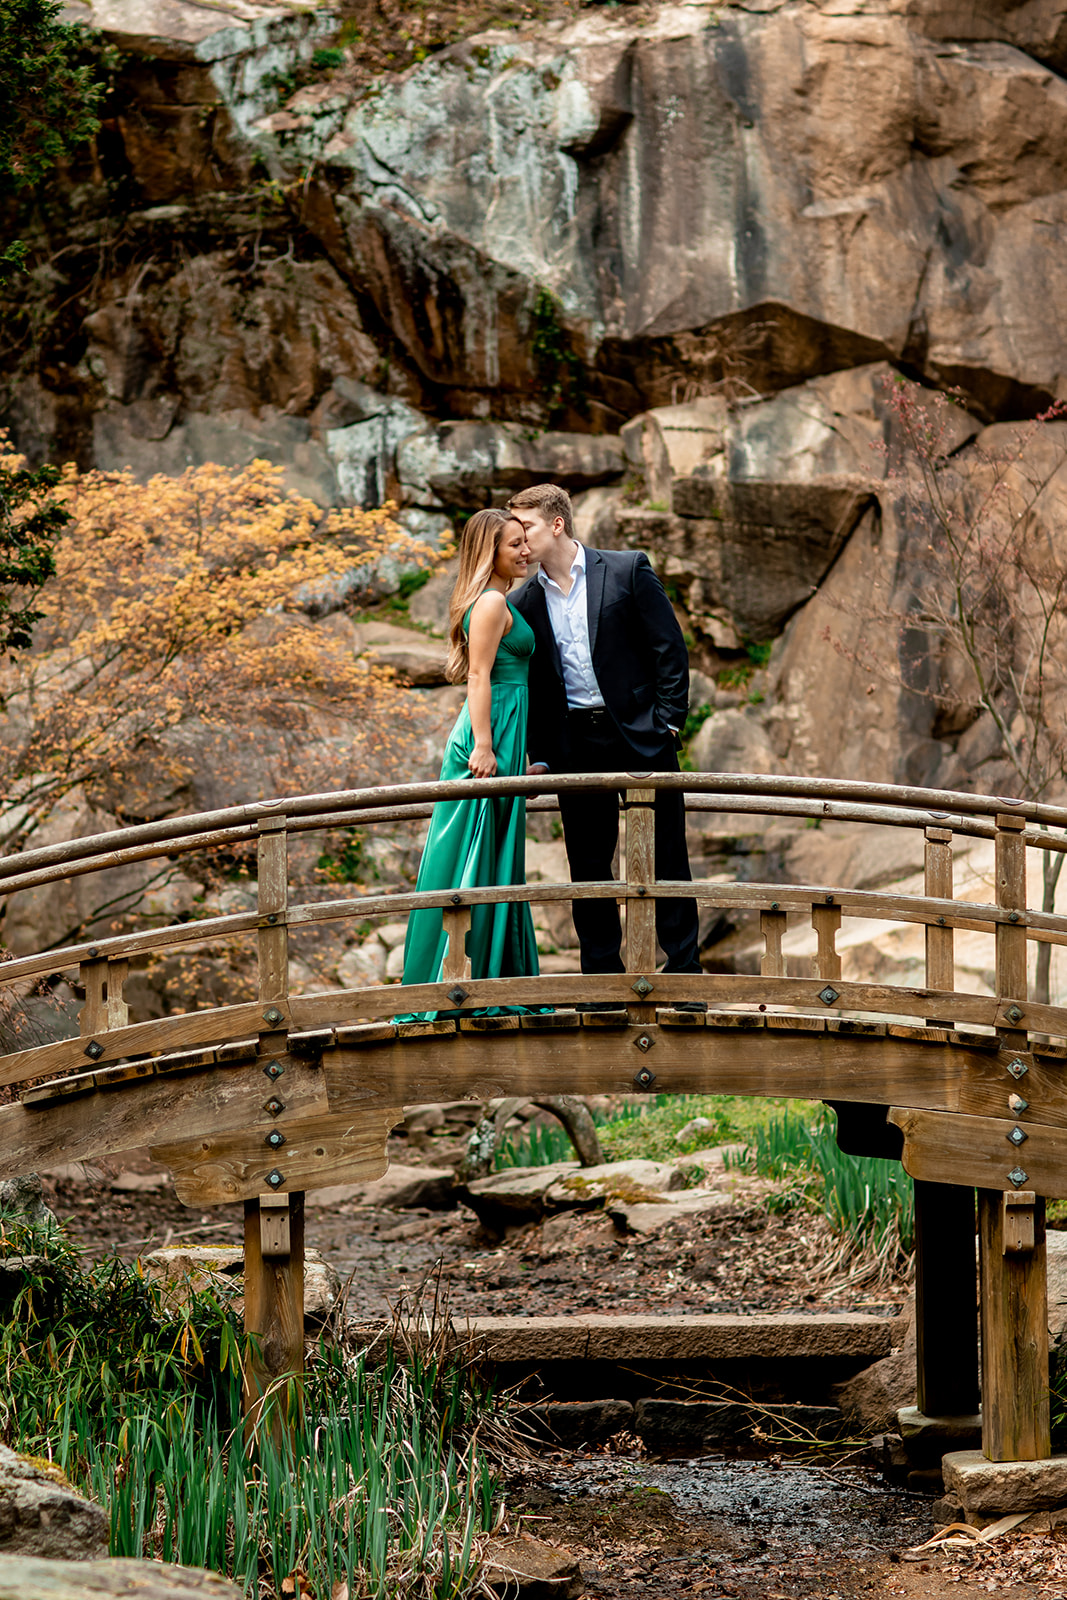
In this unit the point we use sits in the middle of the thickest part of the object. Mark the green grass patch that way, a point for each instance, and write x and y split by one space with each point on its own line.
871 1202
385 1483
647 1131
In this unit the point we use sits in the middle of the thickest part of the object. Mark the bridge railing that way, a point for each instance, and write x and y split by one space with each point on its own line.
964 1071
103 964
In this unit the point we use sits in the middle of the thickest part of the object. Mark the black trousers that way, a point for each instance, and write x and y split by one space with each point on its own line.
592 743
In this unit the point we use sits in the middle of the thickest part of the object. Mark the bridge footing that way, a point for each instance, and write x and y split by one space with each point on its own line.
984 1490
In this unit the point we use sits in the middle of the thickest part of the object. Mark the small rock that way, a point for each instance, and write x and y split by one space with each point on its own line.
322 1285
140 1182
873 1397
394 966
522 1568
181 1271
649 1217
515 1196
23 1198
42 1515
402 1188
1056 1255
392 934
423 1119
995 1488
581 1422
414 658
363 965
615 1180
692 1128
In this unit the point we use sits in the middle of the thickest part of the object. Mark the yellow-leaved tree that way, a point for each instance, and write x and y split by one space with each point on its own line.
177 654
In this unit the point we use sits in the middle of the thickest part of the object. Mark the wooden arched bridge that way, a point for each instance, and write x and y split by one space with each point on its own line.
260 1100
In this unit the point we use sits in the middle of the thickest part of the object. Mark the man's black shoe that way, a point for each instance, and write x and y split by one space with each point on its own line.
600 1005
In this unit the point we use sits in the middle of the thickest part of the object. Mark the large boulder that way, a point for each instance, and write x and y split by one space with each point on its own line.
42 1515
463 463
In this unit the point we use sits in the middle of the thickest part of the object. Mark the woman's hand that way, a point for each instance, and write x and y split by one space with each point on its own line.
482 761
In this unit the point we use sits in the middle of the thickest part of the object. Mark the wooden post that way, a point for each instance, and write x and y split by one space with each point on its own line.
1015 1393
274 1303
641 911
1015 1397
274 1223
946 1301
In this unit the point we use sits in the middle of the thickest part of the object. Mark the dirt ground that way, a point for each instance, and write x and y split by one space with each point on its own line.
643 1529
575 1262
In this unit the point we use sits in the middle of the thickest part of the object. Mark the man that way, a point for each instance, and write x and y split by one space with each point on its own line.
609 690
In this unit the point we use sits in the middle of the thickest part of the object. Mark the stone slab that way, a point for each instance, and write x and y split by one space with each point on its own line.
32 1578
995 1488
711 1337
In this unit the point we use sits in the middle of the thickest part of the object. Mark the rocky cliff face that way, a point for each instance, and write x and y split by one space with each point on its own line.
662 254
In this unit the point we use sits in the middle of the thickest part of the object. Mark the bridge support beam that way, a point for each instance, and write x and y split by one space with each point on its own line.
274 1307
1015 1392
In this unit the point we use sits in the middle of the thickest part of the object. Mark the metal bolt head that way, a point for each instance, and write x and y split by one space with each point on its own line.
276 1178
1014 1014
457 994
1017 1068
273 1070
645 1078
1017 1105
1013 916
93 1050
828 995
93 951
272 918
1017 1177
1017 1136
275 1139
273 1016
457 899
642 987
644 1043
274 1106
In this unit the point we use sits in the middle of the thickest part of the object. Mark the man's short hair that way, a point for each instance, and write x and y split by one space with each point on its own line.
550 500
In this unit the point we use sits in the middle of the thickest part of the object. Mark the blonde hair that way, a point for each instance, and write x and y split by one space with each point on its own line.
478 545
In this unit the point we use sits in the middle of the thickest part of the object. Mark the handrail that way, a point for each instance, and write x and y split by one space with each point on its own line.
921 910
944 808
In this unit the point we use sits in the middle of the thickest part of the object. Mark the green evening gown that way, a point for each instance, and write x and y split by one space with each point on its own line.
478 843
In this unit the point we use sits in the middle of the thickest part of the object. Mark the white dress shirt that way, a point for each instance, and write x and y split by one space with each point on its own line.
569 617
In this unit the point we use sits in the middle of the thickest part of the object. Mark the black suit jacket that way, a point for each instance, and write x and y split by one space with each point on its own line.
639 657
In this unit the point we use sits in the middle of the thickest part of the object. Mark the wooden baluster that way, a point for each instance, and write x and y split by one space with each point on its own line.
92 1018
457 963
1015 1396
946 1309
118 1012
274 1274
641 910
826 920
772 926
940 952
273 899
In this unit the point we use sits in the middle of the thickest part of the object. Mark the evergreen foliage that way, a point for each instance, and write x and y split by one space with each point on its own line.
48 101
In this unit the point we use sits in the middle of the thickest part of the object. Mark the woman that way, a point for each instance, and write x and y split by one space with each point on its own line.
480 843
